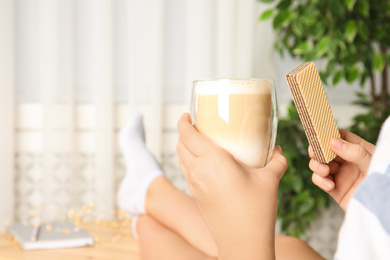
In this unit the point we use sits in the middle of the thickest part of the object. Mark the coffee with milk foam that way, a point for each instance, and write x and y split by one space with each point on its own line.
236 115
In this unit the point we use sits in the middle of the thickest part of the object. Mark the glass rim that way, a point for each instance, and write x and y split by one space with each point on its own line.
234 79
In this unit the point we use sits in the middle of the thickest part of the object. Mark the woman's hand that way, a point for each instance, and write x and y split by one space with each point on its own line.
342 176
238 202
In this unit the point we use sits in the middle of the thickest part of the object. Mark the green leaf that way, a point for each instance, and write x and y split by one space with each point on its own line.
363 8
283 5
337 8
351 75
303 48
279 47
330 66
332 50
350 60
297 27
350 30
319 32
308 9
266 1
361 95
297 184
320 201
306 206
306 203
363 31
380 34
341 44
324 77
322 46
363 79
337 77
282 18
266 14
379 62
350 4
310 20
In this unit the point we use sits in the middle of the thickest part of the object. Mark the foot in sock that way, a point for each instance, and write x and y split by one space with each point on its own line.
141 167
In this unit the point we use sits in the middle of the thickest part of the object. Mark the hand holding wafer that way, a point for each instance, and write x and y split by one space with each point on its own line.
343 175
338 164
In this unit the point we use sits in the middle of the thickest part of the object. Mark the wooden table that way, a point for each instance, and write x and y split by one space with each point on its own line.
114 241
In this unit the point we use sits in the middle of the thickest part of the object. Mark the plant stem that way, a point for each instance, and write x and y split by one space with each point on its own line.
373 90
383 97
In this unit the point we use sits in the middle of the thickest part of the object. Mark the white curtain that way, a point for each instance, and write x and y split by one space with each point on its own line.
6 111
78 69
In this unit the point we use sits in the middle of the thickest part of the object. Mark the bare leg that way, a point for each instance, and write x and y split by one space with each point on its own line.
158 242
179 212
293 248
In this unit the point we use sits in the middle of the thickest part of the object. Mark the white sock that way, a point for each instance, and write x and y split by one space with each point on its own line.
141 167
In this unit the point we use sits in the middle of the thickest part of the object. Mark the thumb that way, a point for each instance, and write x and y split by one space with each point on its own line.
354 153
278 163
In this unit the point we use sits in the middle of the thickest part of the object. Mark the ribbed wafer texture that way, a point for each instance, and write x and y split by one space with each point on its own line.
313 109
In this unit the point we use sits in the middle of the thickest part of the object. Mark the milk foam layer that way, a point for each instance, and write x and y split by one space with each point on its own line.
236 86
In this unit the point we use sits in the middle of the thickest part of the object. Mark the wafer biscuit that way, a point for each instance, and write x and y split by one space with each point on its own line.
313 109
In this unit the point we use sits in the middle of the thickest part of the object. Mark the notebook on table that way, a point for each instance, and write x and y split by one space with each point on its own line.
56 235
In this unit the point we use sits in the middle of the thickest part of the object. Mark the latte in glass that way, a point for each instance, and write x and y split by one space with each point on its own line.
239 115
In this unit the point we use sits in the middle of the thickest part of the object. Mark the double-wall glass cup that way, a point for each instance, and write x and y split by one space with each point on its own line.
239 115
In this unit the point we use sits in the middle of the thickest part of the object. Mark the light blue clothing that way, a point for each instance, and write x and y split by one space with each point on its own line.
365 233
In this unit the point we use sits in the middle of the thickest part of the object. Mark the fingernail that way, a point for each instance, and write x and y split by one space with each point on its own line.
338 143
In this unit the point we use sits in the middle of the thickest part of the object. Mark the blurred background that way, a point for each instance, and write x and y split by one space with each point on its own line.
72 72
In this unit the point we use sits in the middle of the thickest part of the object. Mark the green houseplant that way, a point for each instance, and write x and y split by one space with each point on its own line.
299 198
351 38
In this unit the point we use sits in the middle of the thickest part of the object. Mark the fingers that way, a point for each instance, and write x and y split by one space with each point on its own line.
195 142
321 172
319 168
324 183
351 152
187 176
323 169
186 162
185 156
183 170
